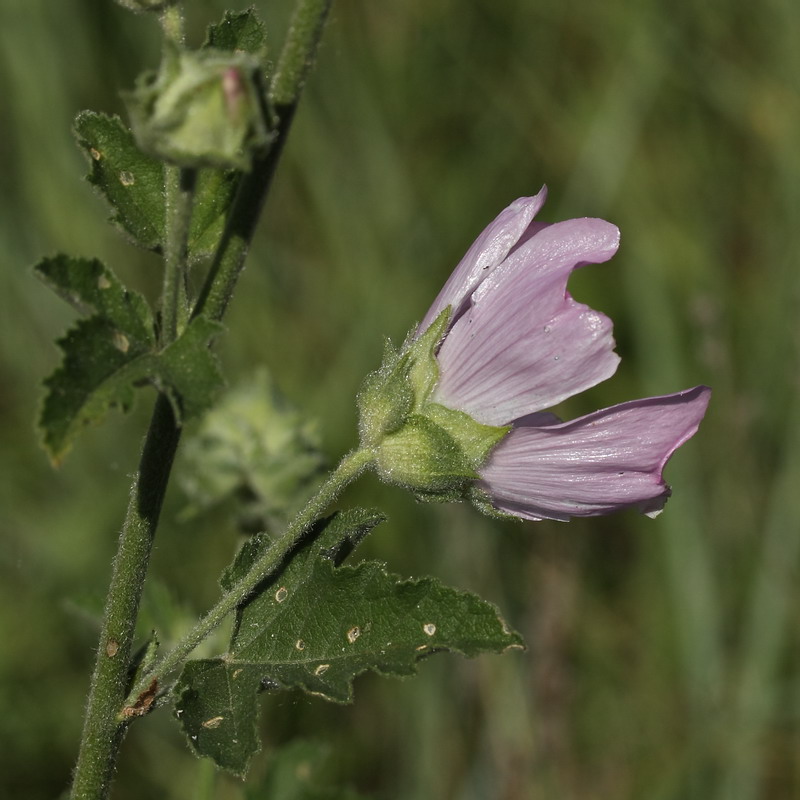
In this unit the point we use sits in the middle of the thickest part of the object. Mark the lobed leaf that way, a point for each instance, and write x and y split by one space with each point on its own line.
89 286
318 626
102 366
131 181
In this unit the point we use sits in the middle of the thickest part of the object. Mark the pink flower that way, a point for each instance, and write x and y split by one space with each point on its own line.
518 343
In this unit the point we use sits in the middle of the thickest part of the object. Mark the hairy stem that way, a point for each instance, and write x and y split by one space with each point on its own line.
294 64
179 185
348 470
102 732
104 728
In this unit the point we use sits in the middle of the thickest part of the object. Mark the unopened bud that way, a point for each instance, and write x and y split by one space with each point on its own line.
202 109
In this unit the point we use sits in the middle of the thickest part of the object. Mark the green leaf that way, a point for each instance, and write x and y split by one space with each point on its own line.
188 371
131 181
238 31
216 709
296 772
102 367
316 627
213 195
89 286
253 450
96 374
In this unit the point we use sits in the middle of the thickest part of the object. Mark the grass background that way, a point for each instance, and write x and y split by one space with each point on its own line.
664 655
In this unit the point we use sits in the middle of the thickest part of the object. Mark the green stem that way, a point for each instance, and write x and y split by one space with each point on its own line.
179 187
103 729
297 56
102 732
294 64
348 470
172 24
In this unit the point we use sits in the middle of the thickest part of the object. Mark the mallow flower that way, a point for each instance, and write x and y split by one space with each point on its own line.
460 409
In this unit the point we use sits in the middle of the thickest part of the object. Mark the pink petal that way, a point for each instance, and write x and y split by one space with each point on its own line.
524 344
600 463
487 251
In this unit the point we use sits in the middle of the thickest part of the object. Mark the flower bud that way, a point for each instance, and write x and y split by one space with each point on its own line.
202 109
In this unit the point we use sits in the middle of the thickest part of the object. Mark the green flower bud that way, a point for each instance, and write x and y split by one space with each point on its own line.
419 444
203 108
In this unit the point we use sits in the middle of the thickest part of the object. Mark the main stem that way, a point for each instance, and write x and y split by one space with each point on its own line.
349 468
102 733
103 730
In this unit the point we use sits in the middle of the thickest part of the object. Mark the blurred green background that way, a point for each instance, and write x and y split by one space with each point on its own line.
663 655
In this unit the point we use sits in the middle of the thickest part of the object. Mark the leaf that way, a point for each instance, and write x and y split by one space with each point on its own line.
214 193
131 181
255 450
89 286
216 709
95 375
316 627
188 371
294 773
102 367
238 31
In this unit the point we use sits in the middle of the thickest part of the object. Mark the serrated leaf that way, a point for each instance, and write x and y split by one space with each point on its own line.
89 286
368 620
295 772
102 367
131 181
216 708
95 375
318 626
237 32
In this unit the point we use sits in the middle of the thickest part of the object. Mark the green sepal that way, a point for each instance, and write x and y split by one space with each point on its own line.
483 502
202 109
424 372
475 439
424 457
386 398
